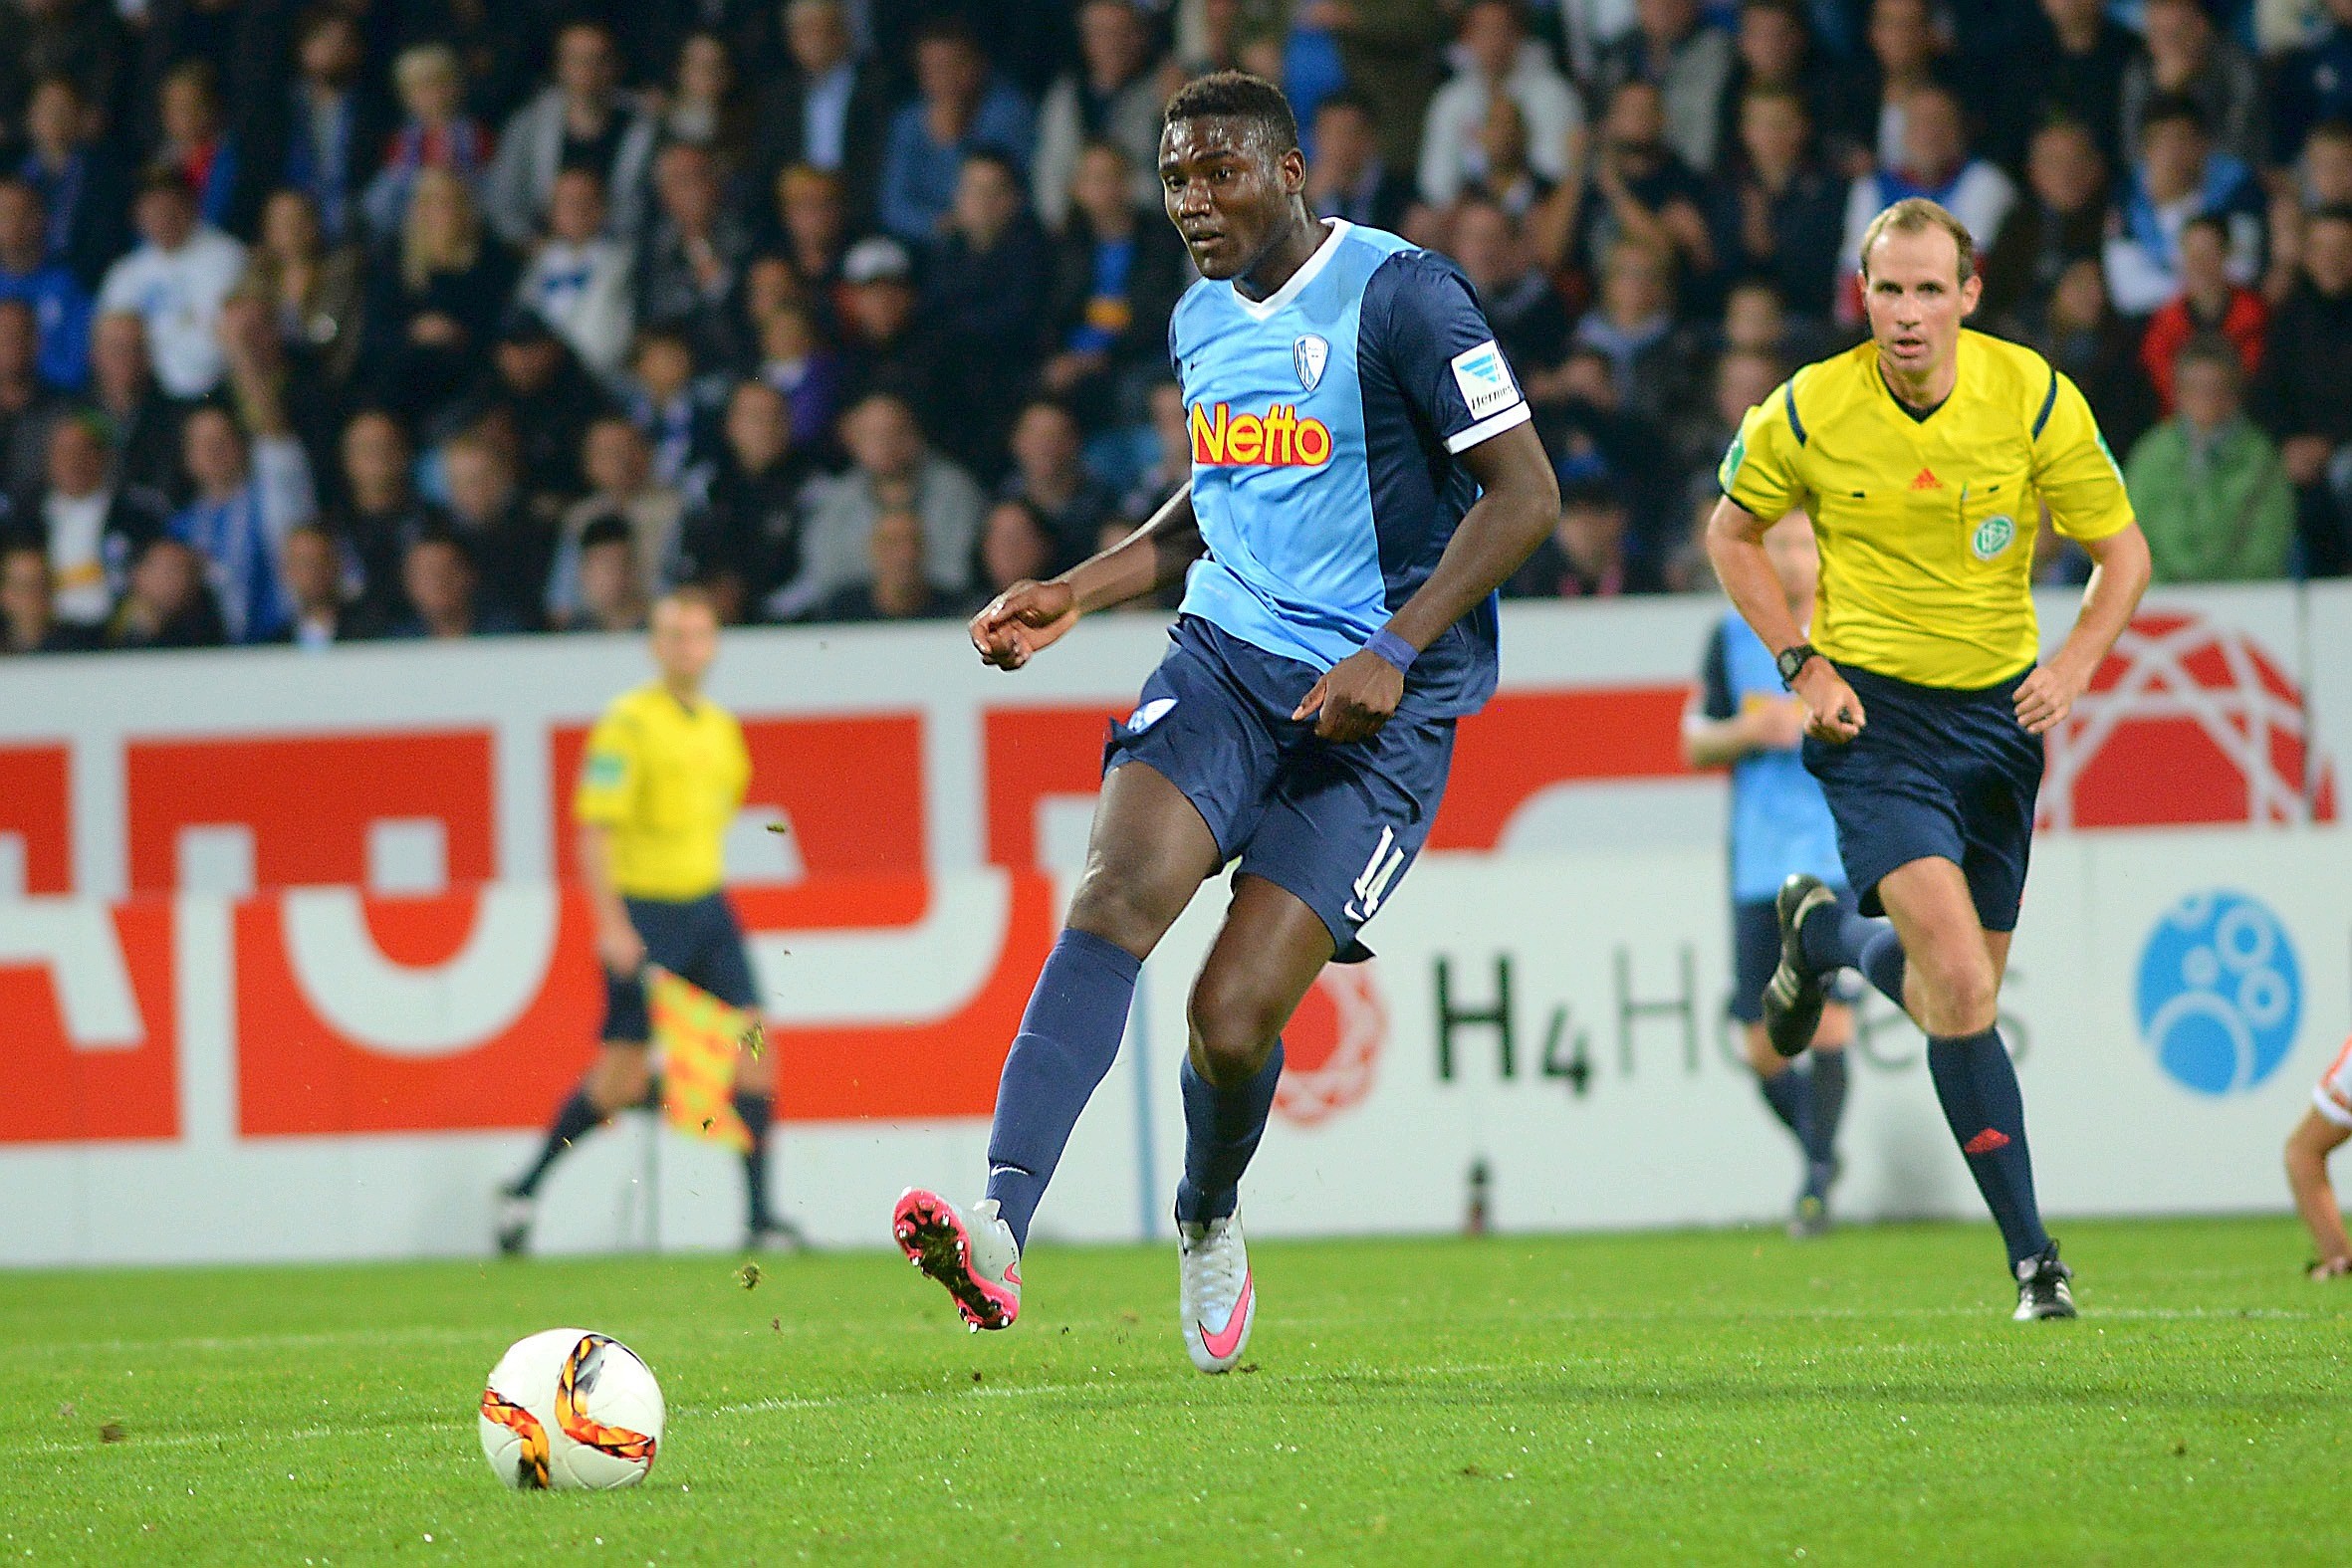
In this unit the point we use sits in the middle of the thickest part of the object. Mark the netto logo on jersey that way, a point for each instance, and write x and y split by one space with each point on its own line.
1278 438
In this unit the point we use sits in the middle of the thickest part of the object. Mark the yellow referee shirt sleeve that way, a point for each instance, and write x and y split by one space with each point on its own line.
2075 472
609 771
1758 471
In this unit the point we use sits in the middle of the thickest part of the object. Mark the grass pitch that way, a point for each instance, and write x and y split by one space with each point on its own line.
1675 1398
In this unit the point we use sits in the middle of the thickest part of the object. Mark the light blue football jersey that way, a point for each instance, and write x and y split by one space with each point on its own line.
1780 822
1328 423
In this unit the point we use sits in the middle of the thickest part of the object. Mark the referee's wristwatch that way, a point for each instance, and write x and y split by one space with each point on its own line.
1792 659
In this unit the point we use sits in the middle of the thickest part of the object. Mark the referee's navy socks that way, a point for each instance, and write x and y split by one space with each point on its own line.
575 1119
757 1112
1069 1038
1840 938
1978 1086
1221 1130
1790 1092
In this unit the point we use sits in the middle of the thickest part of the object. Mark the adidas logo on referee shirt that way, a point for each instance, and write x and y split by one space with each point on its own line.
1927 479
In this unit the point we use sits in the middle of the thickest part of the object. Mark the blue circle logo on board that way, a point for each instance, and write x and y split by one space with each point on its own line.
2220 991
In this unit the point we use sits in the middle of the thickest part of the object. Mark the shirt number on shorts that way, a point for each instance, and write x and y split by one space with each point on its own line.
1371 885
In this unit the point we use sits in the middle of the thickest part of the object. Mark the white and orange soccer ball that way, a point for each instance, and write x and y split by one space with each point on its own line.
571 1411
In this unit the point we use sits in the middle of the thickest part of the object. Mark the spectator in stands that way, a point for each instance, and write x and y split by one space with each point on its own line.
1504 175
195 145
579 280
60 307
322 135
1742 379
1935 164
28 619
380 514
1635 326
270 383
1017 546
828 111
676 411
796 362
438 134
2208 303
895 587
2069 64
708 106
175 282
1118 270
167 604
813 224
90 527
1637 189
2079 332
1392 52
1907 52
1049 474
321 610
1687 61
1171 464
1775 211
433 305
579 122
1347 177
694 252
82 185
2303 396
2178 177
28 408
1593 436
442 584
891 467
311 291
2210 490
961 109
2061 219
1773 50
2314 83
1113 96
79 39
1585 557
539 388
1497 62
612 593
742 538
488 509
2188 56
1526 312
246 501
2321 177
619 469
984 304
139 420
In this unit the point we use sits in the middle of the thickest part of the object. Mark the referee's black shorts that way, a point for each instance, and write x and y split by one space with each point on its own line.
1934 773
695 939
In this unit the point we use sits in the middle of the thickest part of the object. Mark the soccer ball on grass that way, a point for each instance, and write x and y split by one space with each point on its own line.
572 1410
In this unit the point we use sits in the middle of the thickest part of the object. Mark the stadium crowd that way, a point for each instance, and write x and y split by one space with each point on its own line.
438 318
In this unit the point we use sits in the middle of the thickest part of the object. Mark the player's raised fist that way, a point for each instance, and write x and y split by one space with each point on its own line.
1024 618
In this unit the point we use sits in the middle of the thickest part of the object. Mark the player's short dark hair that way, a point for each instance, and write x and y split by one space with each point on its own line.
2180 106
1237 95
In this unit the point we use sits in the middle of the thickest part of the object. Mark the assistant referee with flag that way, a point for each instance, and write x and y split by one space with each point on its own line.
663 777
1928 458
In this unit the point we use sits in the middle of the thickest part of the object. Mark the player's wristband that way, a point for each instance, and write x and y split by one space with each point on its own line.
1393 649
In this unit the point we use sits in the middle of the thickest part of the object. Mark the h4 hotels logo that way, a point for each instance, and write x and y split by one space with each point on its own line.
1278 438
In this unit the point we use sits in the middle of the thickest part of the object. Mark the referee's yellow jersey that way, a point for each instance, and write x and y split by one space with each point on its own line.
1926 524
666 780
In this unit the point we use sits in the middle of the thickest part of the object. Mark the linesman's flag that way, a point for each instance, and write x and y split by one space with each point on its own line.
698 1036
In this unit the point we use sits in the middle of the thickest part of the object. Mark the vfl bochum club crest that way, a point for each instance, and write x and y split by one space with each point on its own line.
1309 355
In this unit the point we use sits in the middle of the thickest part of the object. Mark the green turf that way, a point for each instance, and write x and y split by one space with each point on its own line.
1716 1397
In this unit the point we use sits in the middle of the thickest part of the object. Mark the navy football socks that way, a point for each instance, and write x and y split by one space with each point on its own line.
1221 1130
1069 1036
575 1119
1828 1107
1790 1092
1978 1086
1840 938
757 1111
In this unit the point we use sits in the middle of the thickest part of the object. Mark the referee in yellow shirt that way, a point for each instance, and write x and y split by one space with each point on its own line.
663 777
1928 458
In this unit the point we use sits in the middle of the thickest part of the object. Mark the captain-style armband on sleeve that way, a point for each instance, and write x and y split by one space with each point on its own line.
1393 649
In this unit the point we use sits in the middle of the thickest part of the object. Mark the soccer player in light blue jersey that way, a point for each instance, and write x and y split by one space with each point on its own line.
1364 477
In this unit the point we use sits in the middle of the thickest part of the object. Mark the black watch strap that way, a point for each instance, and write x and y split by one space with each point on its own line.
1791 661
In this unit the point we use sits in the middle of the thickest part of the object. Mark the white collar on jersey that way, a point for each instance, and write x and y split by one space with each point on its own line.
1259 310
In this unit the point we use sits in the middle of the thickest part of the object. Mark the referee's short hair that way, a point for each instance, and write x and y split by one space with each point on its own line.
1237 95
1917 215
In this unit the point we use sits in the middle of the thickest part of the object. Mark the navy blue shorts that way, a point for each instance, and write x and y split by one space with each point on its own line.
1336 825
1934 773
1755 952
696 940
